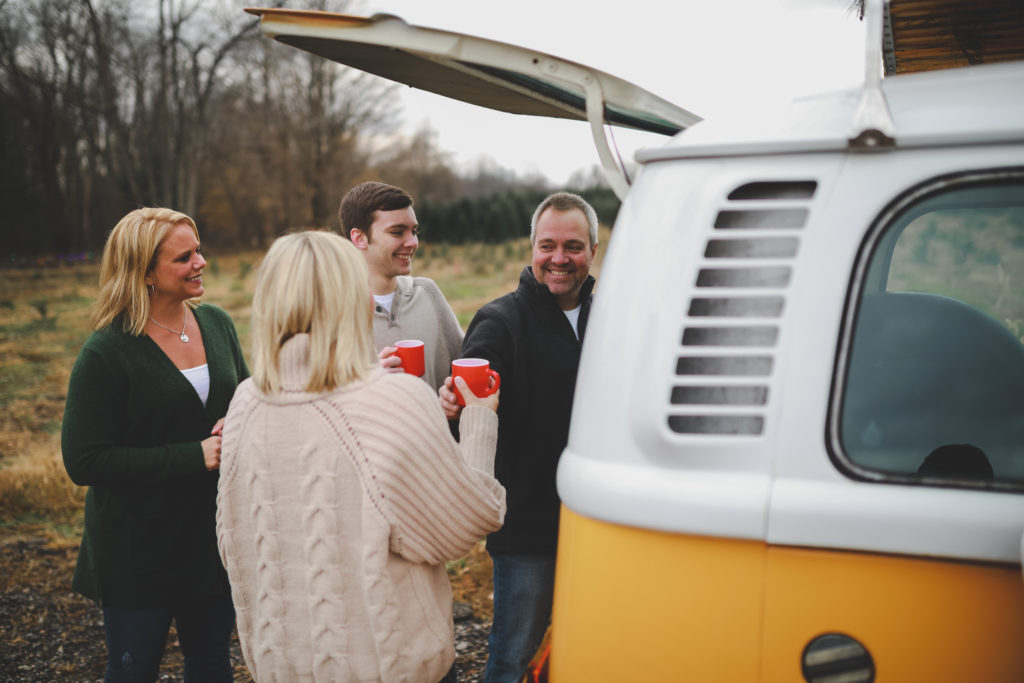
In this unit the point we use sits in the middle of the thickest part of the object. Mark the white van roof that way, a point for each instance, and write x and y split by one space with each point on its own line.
822 122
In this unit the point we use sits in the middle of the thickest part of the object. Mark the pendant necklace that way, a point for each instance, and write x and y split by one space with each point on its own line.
181 335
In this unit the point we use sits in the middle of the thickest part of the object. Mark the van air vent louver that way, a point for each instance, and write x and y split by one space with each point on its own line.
726 353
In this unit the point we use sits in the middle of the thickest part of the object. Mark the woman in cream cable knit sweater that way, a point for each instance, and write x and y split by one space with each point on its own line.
342 492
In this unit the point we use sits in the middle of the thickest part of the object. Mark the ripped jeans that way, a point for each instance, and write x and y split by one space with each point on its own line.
136 639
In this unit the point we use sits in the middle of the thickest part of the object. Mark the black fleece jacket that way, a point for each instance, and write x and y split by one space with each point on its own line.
530 343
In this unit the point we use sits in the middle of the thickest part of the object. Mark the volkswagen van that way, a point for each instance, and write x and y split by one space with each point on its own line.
797 442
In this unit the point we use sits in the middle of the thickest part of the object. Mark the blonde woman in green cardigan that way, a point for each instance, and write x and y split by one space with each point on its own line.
142 424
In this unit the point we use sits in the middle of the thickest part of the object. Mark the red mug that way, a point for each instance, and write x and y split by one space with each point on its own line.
411 353
477 372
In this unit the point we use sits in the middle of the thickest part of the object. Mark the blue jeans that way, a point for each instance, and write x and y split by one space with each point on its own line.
136 639
523 589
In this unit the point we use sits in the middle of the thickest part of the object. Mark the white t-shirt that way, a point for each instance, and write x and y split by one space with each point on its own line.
574 319
384 300
199 377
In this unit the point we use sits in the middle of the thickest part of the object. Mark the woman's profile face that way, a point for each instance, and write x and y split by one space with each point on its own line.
178 270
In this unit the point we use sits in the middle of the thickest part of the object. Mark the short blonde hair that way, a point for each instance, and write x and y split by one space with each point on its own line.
128 257
313 282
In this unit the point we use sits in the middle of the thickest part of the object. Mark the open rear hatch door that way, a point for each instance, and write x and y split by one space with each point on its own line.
484 72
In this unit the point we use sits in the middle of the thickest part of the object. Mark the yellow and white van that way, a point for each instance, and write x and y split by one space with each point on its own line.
797 443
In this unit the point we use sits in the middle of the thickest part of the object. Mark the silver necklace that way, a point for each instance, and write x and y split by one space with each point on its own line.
181 335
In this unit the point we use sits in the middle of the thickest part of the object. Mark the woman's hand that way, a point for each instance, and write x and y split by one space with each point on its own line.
211 451
490 401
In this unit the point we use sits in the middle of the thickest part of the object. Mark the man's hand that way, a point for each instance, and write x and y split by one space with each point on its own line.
389 360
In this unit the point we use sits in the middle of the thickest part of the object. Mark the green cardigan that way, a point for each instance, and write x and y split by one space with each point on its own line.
131 433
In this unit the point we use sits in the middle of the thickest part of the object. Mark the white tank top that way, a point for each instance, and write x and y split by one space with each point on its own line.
199 377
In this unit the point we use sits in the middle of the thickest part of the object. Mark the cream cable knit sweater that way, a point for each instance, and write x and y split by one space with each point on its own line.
335 515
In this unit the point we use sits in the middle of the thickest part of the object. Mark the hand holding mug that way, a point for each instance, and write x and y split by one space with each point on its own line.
477 373
411 353
449 401
488 400
388 360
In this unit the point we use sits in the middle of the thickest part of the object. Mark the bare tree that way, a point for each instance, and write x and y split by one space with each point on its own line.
419 166
111 107
295 127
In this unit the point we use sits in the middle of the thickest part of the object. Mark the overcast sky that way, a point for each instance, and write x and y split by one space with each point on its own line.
715 58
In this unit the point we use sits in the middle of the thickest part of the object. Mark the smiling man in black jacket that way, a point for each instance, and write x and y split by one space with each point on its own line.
532 338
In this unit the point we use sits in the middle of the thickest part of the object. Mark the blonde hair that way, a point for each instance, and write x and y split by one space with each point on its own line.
313 282
128 257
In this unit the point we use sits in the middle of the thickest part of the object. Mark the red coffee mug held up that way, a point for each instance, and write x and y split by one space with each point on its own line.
411 353
477 372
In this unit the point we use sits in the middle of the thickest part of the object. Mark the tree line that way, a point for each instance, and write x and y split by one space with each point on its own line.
500 216
107 105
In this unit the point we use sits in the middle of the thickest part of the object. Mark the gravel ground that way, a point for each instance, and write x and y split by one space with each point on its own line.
48 633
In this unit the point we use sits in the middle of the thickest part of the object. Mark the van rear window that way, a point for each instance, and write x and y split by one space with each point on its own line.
934 383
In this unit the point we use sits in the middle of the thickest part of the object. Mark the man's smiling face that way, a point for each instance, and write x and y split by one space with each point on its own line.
562 254
391 243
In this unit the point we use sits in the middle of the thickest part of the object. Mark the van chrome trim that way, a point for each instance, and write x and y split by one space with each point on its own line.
837 658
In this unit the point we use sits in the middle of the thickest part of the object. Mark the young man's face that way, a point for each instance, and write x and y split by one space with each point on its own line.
562 254
392 242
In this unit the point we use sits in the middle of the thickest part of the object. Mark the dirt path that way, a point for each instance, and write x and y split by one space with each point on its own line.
48 633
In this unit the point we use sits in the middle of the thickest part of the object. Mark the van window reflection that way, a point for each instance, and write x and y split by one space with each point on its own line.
935 382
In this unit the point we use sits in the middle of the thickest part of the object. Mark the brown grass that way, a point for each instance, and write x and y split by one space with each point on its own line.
470 579
35 486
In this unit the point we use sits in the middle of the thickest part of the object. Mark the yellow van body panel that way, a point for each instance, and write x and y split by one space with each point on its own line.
920 619
639 605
